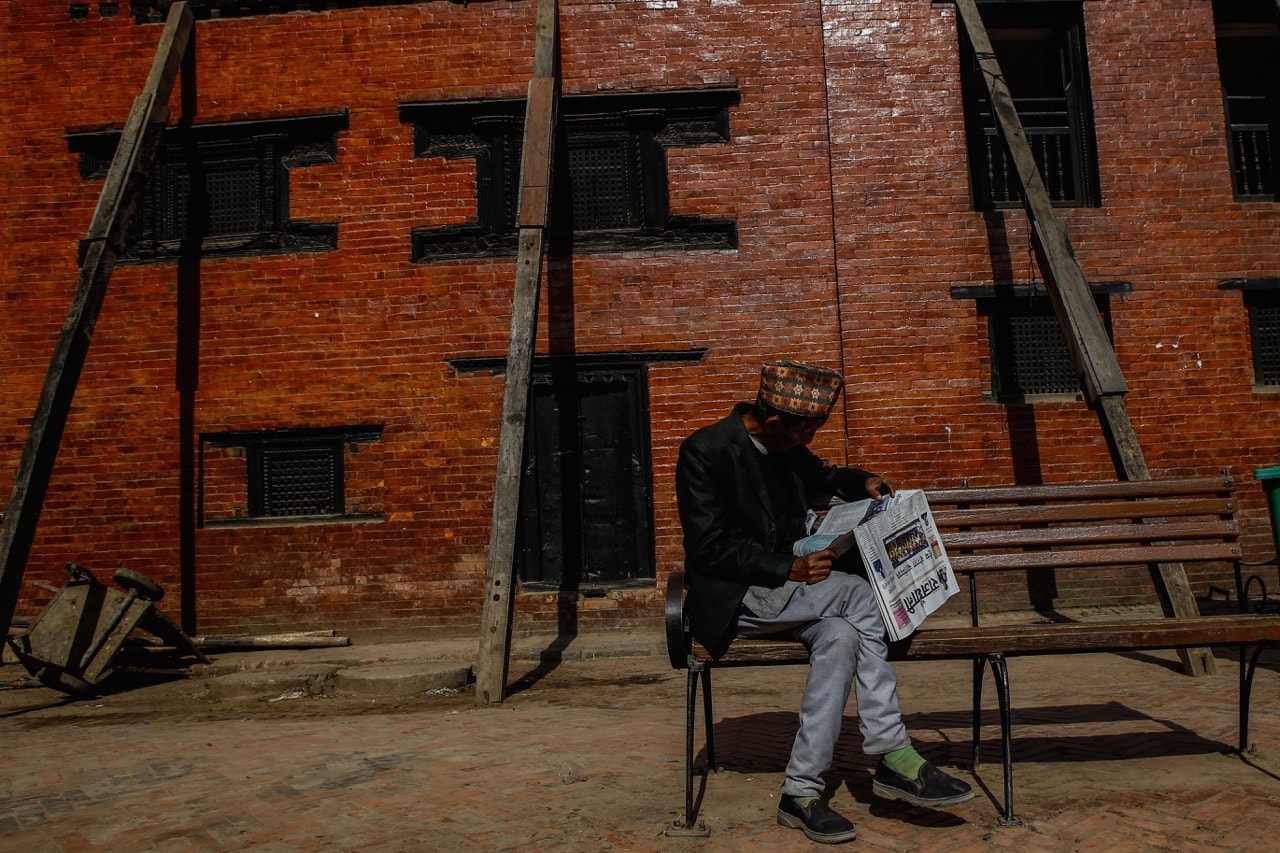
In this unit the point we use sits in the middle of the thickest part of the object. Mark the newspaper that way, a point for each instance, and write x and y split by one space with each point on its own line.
906 562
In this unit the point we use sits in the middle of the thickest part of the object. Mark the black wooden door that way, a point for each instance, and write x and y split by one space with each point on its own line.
586 509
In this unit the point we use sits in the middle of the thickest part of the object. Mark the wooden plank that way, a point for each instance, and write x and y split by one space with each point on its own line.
116 203
1014 640
756 653
1079 637
1219 532
1082 491
990 516
1087 342
1077 558
538 155
539 142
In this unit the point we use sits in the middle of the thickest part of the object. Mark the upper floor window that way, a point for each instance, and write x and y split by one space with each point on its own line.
610 175
1248 50
222 188
152 11
1041 51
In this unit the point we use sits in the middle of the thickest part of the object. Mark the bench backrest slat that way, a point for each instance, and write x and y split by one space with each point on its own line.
995 516
1082 491
1040 537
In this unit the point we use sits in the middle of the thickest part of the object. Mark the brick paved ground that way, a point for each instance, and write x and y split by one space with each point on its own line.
1113 753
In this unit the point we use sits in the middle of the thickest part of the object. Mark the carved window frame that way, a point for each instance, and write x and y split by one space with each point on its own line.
154 11
641 126
169 223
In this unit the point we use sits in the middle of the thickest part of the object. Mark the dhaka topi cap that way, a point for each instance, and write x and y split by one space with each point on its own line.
800 389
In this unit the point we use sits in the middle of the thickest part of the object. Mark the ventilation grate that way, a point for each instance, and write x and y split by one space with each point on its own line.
301 480
1040 361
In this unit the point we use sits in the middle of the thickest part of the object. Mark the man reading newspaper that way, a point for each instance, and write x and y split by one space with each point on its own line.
746 488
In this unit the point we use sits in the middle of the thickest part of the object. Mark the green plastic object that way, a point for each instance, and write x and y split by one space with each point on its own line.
1270 480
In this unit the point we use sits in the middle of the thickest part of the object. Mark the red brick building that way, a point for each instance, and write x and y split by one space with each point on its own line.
290 411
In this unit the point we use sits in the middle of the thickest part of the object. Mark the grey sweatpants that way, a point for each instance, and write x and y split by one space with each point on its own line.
838 621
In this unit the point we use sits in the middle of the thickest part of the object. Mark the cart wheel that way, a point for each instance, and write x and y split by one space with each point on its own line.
139 583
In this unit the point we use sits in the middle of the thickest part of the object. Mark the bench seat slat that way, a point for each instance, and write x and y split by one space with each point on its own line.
1090 637
1048 638
756 653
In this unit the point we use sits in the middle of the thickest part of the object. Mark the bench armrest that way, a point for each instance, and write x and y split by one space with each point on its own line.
679 640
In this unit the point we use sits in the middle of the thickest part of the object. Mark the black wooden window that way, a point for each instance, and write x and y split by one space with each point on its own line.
1028 356
223 188
1264 332
1249 63
297 474
1041 51
610 191
586 517
153 11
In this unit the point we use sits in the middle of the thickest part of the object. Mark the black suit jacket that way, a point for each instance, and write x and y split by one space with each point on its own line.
733 535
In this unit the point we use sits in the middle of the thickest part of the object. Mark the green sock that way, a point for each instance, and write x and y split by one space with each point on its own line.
906 762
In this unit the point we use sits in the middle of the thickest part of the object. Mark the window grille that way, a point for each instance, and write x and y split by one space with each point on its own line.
294 481
230 203
1038 362
1264 330
1040 48
605 183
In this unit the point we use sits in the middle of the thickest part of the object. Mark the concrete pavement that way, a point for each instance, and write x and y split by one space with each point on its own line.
1112 752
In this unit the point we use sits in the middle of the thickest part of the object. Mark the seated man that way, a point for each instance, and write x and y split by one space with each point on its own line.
746 487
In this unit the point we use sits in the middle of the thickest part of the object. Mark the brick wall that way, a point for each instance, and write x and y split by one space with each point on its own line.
846 174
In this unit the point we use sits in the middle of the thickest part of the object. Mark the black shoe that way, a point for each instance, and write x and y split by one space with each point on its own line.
819 822
932 788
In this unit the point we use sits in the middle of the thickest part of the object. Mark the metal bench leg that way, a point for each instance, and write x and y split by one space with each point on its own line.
707 724
689 826
1000 671
1246 689
690 725
978 673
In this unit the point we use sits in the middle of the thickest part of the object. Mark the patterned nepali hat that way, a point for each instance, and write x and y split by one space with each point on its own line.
800 389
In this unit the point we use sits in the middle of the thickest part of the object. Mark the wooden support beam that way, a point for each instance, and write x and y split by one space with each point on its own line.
1091 352
125 179
535 181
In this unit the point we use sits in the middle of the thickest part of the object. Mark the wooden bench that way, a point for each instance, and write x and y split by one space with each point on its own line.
1062 532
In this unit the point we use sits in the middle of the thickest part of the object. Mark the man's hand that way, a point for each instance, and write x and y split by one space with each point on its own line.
878 487
812 568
